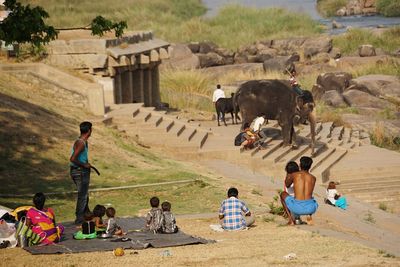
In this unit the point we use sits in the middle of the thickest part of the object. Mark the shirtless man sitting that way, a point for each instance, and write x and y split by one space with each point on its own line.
303 202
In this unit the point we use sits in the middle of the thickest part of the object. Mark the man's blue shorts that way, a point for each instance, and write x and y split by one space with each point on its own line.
301 207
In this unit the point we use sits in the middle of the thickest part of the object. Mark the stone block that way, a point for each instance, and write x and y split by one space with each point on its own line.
108 88
82 46
95 97
83 61
154 56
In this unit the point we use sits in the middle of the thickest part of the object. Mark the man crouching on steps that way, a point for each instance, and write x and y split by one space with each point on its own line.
303 203
234 214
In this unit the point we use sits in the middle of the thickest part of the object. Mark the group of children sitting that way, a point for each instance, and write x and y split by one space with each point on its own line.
158 220
94 225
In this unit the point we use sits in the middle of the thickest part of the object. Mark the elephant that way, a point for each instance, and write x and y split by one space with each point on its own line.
276 100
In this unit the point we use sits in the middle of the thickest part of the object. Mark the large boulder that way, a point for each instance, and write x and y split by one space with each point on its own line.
351 62
218 71
181 57
194 47
334 99
336 81
356 98
314 46
287 46
378 85
265 54
207 47
210 59
366 51
281 63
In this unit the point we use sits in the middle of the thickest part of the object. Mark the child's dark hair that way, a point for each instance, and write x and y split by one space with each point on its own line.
88 216
154 202
332 185
110 212
233 192
166 206
99 211
292 167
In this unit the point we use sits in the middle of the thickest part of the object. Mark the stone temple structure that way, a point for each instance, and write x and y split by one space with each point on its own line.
126 67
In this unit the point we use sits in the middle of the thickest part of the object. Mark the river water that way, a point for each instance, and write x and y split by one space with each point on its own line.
307 7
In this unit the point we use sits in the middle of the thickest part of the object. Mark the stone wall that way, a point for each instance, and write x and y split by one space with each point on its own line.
78 91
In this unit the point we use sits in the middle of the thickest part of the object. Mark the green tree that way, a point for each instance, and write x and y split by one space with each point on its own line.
25 24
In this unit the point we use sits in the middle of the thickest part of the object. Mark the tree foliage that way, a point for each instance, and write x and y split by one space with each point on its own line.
100 25
25 24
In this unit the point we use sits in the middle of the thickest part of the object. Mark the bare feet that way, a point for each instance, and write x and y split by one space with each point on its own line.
309 220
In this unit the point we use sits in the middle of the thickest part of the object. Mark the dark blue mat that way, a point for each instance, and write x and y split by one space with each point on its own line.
138 240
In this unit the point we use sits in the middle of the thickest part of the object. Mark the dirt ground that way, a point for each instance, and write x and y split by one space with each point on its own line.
266 244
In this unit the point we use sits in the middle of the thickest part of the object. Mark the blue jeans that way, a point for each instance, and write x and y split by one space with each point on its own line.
81 178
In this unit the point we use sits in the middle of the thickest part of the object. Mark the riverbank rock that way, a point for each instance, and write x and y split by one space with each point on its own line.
210 59
281 63
336 81
378 85
337 25
353 62
356 98
333 98
181 57
313 46
235 69
366 51
358 7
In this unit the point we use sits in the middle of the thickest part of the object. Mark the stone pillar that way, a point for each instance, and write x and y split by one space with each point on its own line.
118 88
147 87
108 88
137 83
155 86
126 87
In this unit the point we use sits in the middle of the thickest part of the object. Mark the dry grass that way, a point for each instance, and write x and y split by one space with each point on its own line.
381 137
327 113
328 8
182 21
263 245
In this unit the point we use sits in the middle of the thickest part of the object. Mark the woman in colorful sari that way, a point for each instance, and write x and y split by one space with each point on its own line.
42 221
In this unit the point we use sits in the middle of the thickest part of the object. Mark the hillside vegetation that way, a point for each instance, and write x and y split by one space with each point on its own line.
36 134
182 21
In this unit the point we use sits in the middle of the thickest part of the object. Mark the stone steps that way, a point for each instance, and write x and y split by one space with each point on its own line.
160 128
322 170
383 187
356 181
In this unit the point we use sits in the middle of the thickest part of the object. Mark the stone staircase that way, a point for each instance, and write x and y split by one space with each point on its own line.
207 139
340 153
379 186
156 127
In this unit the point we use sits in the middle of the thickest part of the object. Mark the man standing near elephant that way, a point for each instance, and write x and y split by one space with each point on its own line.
303 202
218 93
80 170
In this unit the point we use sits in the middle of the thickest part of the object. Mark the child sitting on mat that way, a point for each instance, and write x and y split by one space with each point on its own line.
169 223
88 230
112 227
99 211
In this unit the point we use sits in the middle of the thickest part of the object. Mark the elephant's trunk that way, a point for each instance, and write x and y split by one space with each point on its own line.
312 118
